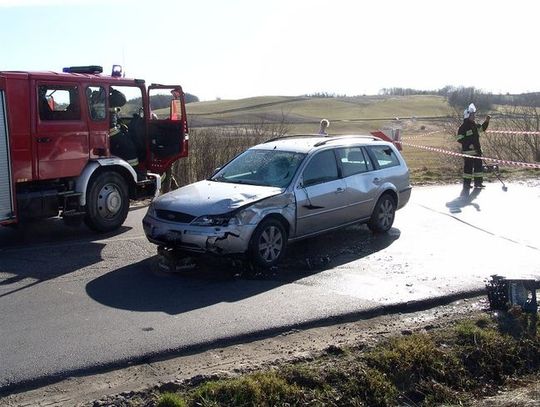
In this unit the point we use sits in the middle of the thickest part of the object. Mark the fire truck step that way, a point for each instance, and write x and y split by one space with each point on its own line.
68 194
73 212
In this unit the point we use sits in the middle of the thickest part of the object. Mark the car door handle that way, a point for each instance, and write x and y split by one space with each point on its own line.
340 190
44 140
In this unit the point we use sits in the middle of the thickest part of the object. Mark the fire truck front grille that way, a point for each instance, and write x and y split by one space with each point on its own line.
174 216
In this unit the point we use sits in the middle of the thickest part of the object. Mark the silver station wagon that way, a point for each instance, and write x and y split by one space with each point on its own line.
281 191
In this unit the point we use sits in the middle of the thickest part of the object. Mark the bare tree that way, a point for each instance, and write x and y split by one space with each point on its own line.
212 147
518 147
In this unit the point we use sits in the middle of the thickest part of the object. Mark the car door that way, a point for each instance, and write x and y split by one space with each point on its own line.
320 195
389 172
360 180
167 127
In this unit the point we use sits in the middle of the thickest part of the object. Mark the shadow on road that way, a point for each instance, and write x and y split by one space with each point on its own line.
143 287
42 264
44 250
49 231
465 198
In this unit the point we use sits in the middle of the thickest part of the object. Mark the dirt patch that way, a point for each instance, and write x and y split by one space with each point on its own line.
119 386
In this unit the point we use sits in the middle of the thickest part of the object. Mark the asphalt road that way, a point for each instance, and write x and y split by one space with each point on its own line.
72 302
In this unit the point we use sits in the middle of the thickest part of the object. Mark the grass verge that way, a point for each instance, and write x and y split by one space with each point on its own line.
457 365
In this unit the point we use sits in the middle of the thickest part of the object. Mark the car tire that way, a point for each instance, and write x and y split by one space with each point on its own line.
107 202
268 243
383 215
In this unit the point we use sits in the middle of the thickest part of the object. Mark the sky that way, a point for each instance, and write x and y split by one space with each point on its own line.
233 49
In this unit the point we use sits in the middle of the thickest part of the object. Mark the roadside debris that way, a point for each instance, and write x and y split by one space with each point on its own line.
503 293
173 261
318 262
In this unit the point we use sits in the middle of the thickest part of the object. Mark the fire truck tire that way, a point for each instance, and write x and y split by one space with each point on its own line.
107 202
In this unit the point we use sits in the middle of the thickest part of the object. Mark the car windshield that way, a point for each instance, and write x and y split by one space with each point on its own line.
261 167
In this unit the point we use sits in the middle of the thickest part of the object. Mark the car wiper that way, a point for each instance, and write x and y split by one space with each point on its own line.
243 182
258 183
221 178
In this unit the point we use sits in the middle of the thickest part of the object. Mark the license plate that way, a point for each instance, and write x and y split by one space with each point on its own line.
173 235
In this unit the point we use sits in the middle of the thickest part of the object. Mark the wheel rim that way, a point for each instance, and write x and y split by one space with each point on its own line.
386 213
109 201
270 244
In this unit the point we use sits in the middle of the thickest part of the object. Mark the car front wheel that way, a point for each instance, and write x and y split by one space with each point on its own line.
268 243
383 215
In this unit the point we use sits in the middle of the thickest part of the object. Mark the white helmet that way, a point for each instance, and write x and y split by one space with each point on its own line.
467 112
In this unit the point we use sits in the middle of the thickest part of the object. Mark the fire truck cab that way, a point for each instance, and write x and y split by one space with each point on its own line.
55 144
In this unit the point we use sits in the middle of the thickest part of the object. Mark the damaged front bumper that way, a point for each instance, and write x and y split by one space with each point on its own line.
198 239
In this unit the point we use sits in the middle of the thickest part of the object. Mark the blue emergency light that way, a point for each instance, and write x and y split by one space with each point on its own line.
117 71
91 69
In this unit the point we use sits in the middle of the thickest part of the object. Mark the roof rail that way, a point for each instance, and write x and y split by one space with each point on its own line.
293 136
328 139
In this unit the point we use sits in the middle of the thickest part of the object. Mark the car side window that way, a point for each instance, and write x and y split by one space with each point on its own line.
384 156
59 102
353 161
321 168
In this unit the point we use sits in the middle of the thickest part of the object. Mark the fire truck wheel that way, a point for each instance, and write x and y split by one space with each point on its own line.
107 202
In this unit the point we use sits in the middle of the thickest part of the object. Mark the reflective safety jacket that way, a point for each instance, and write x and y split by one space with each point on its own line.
469 136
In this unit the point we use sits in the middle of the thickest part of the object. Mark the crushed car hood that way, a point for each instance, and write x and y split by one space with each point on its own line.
213 198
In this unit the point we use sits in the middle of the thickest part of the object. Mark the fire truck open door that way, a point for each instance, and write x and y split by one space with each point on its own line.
167 127
6 198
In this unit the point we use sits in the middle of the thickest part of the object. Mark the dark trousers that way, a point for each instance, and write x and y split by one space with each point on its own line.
472 169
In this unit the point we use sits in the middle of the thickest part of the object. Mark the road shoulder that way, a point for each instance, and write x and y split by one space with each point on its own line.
111 387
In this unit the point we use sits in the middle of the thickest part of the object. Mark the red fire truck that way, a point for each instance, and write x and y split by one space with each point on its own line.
55 144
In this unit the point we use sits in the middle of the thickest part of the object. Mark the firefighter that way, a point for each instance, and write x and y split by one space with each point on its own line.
468 136
121 144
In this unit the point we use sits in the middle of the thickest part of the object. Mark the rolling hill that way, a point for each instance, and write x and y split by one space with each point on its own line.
302 114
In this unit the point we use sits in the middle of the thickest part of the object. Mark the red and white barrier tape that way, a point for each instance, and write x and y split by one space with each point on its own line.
496 160
528 133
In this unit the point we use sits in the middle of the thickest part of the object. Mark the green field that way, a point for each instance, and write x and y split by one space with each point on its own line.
302 114
347 115
416 116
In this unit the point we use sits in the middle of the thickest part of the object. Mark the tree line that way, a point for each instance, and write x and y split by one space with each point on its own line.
161 101
460 96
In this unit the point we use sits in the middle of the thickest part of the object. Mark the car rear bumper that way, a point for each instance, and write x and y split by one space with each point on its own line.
198 239
404 196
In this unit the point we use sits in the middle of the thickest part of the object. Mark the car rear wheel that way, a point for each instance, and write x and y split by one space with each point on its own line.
383 215
268 243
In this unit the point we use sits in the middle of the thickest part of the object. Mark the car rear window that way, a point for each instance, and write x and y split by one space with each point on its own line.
353 161
384 156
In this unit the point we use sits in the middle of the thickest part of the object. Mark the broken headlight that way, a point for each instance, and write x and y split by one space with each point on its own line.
215 220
